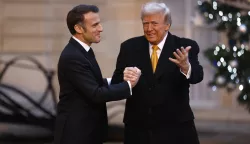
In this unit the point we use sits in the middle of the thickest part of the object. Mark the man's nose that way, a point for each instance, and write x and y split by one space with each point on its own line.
100 28
150 27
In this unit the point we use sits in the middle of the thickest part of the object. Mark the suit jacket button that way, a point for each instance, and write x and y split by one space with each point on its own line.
149 89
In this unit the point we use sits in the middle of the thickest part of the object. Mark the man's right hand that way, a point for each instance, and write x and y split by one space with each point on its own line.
132 74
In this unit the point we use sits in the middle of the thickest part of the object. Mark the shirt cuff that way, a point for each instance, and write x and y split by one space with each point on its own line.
188 73
130 87
109 80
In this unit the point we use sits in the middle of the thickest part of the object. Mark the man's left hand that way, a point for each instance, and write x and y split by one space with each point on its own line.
181 59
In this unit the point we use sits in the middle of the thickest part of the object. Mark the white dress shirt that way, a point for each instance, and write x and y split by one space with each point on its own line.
84 45
87 48
161 45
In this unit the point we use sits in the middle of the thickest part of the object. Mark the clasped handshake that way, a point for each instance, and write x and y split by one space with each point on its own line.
131 74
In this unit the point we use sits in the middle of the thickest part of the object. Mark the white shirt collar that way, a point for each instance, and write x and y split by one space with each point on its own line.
161 44
84 45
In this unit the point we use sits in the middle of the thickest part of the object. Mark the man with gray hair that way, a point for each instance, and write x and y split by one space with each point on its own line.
159 110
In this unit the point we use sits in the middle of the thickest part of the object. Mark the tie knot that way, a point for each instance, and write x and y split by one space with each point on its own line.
155 47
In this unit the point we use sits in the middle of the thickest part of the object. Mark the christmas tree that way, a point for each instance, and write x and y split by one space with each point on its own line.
232 59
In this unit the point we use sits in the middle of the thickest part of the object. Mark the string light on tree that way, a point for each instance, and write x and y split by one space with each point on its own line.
233 63
214 88
241 87
220 80
243 28
231 60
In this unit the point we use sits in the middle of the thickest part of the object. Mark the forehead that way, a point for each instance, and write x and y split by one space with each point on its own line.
153 17
91 17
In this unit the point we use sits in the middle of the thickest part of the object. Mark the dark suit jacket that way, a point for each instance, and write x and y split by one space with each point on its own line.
81 111
159 99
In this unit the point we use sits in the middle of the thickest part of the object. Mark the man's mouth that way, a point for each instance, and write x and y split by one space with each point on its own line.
151 35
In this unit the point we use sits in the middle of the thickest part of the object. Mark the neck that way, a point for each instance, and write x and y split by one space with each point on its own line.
79 37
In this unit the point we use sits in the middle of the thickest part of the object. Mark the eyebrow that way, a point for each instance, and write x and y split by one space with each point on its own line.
150 22
96 23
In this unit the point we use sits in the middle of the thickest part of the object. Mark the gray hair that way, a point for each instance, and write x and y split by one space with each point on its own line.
155 7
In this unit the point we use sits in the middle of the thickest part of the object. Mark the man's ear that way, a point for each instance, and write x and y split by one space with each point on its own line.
167 27
78 29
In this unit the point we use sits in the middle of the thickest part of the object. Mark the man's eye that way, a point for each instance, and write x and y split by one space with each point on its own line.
95 24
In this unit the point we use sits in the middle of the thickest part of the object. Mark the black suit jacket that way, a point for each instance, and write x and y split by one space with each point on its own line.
81 111
162 98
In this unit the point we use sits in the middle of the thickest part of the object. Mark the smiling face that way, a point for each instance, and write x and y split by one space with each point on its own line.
90 32
154 27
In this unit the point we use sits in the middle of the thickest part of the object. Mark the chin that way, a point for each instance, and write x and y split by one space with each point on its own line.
97 41
152 41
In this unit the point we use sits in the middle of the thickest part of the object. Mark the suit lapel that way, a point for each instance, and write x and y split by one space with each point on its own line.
92 61
95 65
164 64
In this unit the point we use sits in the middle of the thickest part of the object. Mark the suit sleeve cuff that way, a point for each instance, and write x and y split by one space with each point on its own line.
188 73
130 87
